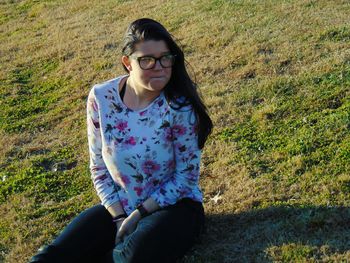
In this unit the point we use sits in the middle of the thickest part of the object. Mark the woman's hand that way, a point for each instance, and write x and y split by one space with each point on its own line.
128 225
117 239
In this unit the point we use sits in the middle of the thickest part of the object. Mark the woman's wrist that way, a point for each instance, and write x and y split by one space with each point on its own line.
150 205
123 215
119 218
142 211
116 209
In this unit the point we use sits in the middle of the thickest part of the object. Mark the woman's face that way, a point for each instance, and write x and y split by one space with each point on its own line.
153 79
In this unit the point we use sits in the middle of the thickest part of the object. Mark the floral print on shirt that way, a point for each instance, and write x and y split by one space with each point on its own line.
135 155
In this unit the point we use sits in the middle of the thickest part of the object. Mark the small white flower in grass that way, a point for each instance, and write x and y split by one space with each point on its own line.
216 198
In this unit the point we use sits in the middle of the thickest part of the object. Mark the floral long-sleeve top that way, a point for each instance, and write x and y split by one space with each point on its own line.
137 154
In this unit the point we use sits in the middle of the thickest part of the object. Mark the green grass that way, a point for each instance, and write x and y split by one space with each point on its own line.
48 175
275 75
337 34
27 94
289 126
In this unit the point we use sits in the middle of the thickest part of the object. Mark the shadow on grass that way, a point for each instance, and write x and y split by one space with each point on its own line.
283 233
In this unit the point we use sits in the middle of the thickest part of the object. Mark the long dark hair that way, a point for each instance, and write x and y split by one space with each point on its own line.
180 83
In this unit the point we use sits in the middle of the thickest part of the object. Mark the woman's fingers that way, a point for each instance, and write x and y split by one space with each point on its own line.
121 229
117 241
120 233
127 228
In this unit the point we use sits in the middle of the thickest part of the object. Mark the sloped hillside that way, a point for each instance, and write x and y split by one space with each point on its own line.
275 75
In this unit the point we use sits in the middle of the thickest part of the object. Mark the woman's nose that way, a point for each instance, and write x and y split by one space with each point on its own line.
158 65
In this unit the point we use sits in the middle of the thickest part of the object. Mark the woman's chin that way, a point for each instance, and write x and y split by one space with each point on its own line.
157 84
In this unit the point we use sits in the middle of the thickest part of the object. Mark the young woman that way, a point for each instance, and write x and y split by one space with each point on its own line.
146 130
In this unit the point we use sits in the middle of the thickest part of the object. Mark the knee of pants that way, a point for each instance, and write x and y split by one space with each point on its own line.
127 250
47 254
136 248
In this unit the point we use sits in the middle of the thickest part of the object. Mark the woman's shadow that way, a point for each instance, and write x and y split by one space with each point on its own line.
282 234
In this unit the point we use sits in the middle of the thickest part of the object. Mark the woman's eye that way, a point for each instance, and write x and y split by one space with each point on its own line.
147 59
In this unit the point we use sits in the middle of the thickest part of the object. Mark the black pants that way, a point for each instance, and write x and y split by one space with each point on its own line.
163 236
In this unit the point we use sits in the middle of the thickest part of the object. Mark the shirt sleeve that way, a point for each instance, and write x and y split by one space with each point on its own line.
102 180
187 160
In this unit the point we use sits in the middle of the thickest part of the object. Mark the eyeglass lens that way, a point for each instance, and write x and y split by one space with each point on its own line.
149 62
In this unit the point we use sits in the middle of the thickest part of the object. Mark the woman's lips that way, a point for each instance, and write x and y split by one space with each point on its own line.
157 78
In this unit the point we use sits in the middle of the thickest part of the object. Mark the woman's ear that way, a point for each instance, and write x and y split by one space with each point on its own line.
126 62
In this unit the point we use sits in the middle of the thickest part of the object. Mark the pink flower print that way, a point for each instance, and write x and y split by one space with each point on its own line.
170 164
121 125
149 166
124 202
168 135
138 190
125 179
94 105
96 123
131 140
194 129
179 129
160 103
142 113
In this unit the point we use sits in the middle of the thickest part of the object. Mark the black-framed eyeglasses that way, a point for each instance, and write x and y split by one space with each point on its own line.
149 62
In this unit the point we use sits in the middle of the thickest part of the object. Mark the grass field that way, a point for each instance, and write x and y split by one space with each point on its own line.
275 75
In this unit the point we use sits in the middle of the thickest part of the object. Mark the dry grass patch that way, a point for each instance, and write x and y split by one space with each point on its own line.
275 76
